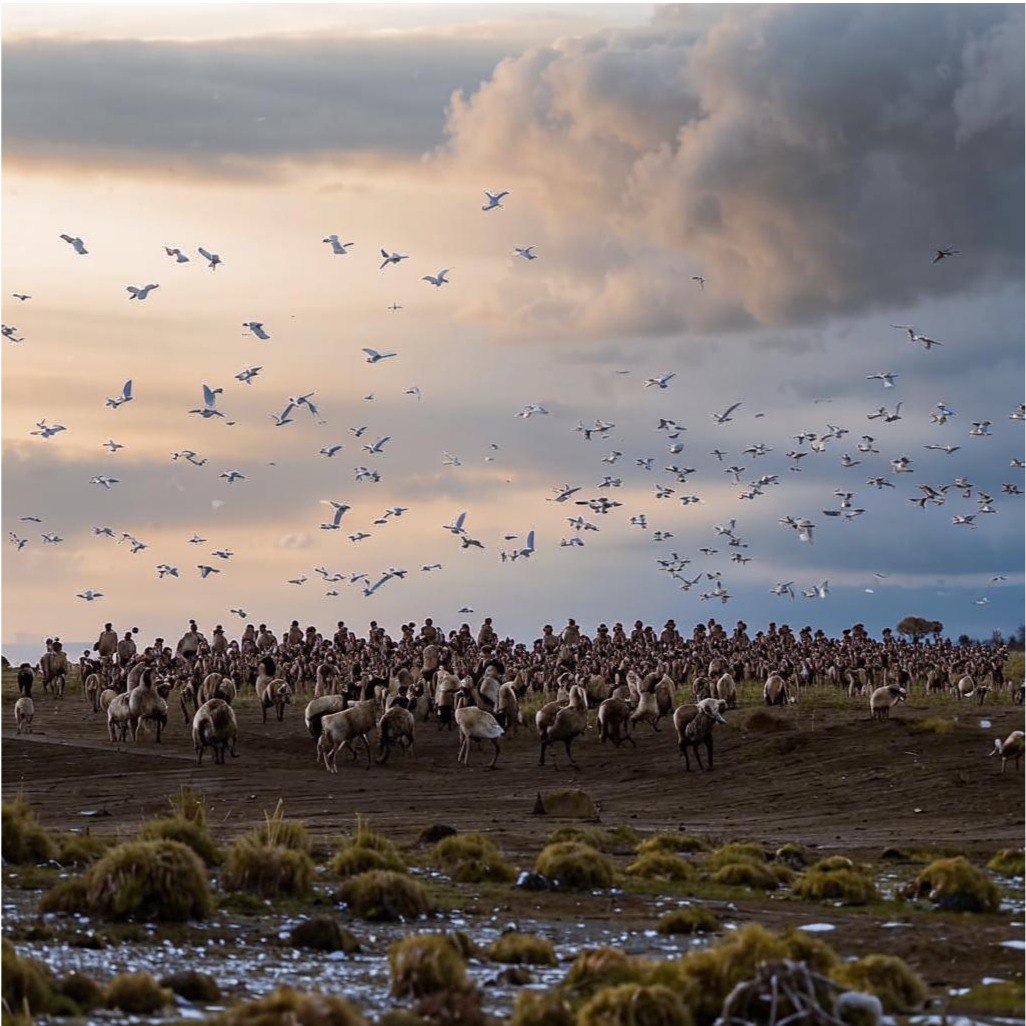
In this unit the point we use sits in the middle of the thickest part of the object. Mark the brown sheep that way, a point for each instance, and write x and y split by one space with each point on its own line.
214 726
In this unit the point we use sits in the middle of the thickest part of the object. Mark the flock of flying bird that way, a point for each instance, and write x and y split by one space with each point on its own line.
595 506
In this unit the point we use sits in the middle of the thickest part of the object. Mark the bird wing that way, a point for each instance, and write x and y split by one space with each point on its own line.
209 397
372 353
203 253
458 522
126 391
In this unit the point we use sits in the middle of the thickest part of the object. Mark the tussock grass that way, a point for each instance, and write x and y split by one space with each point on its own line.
22 837
576 866
899 988
190 832
655 865
837 879
193 986
277 831
931 725
1008 862
325 933
618 840
692 919
136 994
631 1004
672 843
424 964
956 885
516 948
570 803
270 870
542 1008
381 895
472 858
288 1007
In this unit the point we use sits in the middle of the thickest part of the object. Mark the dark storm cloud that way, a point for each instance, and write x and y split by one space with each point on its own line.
220 103
807 159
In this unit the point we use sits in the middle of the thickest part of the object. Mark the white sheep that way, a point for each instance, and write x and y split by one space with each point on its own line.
214 726
475 725
1011 748
340 728
24 711
882 700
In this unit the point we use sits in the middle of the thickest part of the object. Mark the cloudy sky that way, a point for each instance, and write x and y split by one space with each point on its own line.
807 161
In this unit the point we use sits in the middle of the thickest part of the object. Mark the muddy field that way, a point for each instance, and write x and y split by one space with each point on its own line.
820 774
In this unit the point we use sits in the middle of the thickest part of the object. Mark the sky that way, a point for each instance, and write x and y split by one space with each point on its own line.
805 161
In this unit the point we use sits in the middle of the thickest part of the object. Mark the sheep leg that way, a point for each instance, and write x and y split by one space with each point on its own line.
541 758
263 710
366 746
495 758
570 754
709 749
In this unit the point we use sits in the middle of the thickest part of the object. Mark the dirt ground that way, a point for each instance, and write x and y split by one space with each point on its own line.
835 780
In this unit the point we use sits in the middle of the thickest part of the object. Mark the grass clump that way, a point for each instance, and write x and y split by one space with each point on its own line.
656 865
161 880
1008 862
845 884
571 803
617 841
383 896
324 933
277 831
632 1004
193 986
83 990
1006 999
956 885
270 870
515 948
542 1008
136 994
735 852
793 855
287 1007
26 986
22 837
354 860
672 843
705 978
605 967
692 919
472 858
424 964
899 988
80 849
575 865
753 875
931 725
186 831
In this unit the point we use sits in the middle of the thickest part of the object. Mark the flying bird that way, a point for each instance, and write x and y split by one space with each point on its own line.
206 571
212 259
89 595
209 409
660 382
527 252
139 292
494 199
180 257
337 247
699 280
76 244
257 328
104 481
231 476
119 400
373 356
725 416
437 280
246 376
391 258
940 254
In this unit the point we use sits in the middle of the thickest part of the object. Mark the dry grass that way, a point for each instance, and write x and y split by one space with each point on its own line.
384 896
576 866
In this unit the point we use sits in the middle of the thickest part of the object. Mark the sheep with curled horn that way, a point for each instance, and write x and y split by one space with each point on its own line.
701 687
318 708
777 692
474 724
883 699
118 717
146 706
340 729
694 725
395 730
726 690
1011 749
614 721
507 708
275 694
214 726
569 723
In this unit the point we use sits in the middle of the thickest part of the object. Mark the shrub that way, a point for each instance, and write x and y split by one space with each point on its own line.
515 948
83 990
748 873
693 919
186 831
472 858
847 885
137 994
288 1007
735 852
192 986
80 849
277 831
324 933
833 862
671 843
381 895
161 880
957 885
542 1008
353 860
899 988
631 1004
425 963
705 978
1008 862
270 870
605 967
657 865
1006 999
22 837
572 803
575 865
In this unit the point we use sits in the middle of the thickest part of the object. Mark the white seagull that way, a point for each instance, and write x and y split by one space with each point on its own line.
212 259
119 400
105 481
437 280
337 247
180 257
725 416
661 382
494 199
391 258
89 595
209 399
76 244
246 376
373 356
257 327
139 292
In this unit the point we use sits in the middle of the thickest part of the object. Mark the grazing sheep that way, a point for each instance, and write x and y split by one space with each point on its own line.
694 724
214 726
91 691
107 695
701 687
726 690
24 711
274 694
614 721
965 688
475 725
546 715
569 724
340 728
1011 748
318 708
776 692
395 730
507 708
119 717
216 686
446 686
882 700
597 688
145 704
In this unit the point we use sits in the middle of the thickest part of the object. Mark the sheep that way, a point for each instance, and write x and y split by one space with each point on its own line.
647 709
274 694
507 708
1019 693
597 688
187 698
614 721
318 708
546 715
24 711
1011 748
107 695
694 725
965 688
214 726
446 686
395 729
883 699
91 691
475 725
144 703
701 687
488 692
570 723
776 692
340 728
118 717
726 690
665 692
216 686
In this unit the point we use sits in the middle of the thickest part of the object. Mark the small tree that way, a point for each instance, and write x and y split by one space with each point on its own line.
916 626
